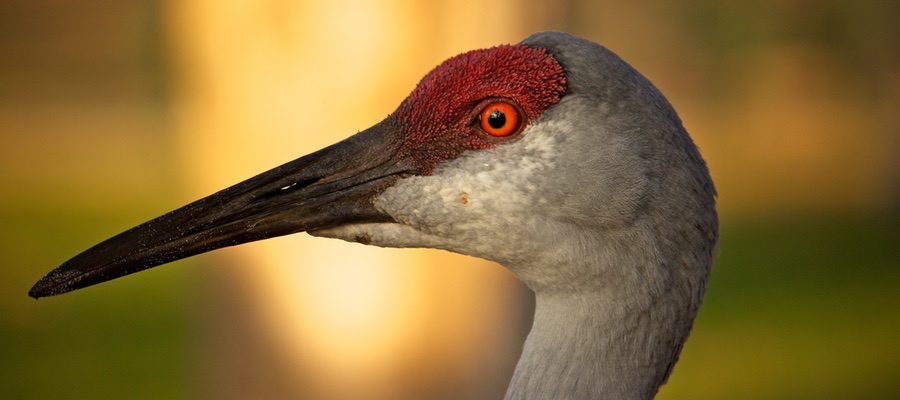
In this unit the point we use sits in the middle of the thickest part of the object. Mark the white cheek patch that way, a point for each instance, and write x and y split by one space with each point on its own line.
480 192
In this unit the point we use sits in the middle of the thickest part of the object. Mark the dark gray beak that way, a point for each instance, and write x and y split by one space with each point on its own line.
328 188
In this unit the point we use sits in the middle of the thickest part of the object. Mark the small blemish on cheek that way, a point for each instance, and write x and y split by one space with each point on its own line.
464 198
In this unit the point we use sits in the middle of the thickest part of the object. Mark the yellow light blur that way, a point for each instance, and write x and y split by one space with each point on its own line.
261 83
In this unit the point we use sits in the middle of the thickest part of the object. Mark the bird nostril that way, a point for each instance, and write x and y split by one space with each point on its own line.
292 187
300 185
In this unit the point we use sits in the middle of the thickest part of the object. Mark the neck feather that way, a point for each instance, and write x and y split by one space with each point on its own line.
585 346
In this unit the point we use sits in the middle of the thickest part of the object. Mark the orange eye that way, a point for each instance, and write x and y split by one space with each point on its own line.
500 119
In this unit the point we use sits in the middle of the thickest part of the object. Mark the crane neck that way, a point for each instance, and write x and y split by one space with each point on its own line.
590 346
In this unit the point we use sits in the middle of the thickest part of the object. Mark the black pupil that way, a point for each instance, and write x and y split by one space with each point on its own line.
496 119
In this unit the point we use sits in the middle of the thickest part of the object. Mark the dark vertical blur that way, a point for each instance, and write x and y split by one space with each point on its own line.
84 152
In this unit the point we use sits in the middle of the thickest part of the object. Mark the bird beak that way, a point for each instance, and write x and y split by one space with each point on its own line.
328 188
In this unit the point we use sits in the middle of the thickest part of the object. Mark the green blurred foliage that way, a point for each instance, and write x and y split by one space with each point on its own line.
799 307
125 340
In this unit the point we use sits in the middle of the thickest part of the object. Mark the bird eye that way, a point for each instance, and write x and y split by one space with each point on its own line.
500 119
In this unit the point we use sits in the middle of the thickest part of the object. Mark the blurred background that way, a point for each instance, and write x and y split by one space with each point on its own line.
115 111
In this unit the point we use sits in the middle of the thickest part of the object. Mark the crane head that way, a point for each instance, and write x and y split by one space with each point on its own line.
497 153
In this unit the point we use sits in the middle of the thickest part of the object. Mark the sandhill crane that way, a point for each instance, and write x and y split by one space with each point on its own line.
552 157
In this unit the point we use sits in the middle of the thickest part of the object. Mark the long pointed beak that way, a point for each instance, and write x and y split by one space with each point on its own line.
330 187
